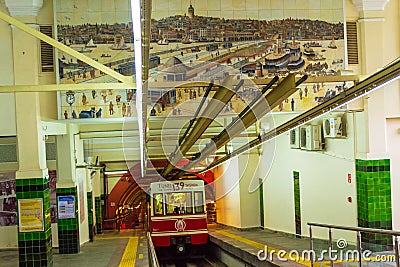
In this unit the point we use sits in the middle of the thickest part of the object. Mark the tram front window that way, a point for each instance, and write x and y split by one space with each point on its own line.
198 202
158 204
179 203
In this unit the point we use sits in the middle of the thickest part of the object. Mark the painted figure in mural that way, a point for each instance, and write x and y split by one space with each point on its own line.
292 104
111 108
128 111
93 94
74 114
118 99
129 95
98 113
65 114
104 95
84 100
92 74
123 109
152 112
301 93
305 91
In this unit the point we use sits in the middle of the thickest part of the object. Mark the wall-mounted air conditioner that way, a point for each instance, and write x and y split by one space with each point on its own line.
333 127
310 137
294 136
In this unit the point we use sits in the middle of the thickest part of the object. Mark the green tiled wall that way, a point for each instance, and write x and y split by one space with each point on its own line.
297 214
90 207
90 214
99 215
374 204
68 229
35 248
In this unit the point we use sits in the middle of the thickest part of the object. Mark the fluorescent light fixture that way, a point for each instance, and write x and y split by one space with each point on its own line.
137 42
115 172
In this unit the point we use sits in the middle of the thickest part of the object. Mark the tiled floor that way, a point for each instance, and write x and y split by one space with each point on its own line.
107 250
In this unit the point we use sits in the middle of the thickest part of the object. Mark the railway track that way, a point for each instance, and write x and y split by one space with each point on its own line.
193 262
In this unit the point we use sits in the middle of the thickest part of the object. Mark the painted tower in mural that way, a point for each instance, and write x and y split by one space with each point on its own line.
191 11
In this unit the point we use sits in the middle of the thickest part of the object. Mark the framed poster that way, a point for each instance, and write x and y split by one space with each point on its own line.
30 215
66 207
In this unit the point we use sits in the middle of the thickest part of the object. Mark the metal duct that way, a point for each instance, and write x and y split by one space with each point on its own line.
255 111
218 102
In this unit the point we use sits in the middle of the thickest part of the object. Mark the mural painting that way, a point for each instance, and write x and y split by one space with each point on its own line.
258 39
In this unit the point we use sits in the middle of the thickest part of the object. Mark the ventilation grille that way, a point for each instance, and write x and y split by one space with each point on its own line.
46 51
51 151
352 46
8 153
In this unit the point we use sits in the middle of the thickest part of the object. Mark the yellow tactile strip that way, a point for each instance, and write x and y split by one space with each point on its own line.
129 257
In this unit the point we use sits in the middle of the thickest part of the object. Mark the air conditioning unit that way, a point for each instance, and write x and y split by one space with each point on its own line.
294 136
310 137
332 127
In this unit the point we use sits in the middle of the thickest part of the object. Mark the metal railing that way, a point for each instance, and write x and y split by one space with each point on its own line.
153 261
358 230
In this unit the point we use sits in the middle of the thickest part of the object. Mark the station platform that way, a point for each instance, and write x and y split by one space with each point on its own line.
110 249
246 244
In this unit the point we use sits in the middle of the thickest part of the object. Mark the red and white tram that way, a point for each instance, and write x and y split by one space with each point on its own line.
178 214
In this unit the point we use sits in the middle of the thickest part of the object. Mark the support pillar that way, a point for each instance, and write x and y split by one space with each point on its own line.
374 205
32 180
67 194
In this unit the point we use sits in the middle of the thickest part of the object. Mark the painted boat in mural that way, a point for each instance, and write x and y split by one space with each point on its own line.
309 52
119 46
278 61
317 57
295 63
312 44
339 61
332 44
164 41
90 44
186 40
84 50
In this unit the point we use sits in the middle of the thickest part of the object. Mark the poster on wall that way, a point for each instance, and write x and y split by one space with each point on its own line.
53 198
8 200
66 207
30 215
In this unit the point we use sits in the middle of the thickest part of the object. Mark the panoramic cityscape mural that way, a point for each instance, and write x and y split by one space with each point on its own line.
256 38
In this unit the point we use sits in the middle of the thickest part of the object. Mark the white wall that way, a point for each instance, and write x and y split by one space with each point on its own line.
393 137
227 193
83 221
249 201
323 184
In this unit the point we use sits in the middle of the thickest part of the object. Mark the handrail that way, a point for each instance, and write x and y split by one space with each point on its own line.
394 234
152 252
361 229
